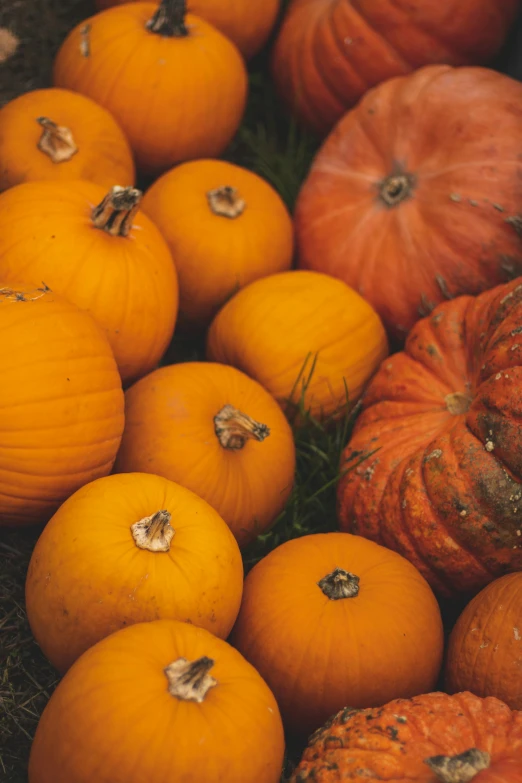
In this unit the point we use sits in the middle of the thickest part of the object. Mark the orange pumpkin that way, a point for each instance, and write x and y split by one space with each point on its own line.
160 701
304 336
217 432
93 248
225 227
61 403
333 619
59 134
182 92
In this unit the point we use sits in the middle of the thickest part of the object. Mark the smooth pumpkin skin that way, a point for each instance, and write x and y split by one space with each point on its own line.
103 155
88 578
444 485
276 326
176 99
170 431
450 234
329 53
216 255
391 743
128 284
112 719
61 403
317 654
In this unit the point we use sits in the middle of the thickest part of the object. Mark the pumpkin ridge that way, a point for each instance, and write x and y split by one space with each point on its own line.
319 72
388 47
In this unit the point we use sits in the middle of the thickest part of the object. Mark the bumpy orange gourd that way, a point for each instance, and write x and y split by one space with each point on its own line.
217 432
61 403
333 619
306 337
59 134
126 549
161 701
225 227
99 252
182 92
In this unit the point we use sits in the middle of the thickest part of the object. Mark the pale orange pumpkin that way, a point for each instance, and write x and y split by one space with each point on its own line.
97 250
225 227
217 432
59 134
306 337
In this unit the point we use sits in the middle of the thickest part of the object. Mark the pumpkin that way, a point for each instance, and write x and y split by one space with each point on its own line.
411 200
434 738
182 92
95 248
126 549
332 619
329 54
61 403
213 430
59 134
485 646
225 227
309 339
159 701
441 480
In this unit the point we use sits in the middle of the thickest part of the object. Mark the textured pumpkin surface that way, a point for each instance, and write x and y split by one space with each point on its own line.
127 283
61 403
330 52
485 647
392 743
102 152
444 486
318 653
420 186
112 718
225 227
90 574
304 336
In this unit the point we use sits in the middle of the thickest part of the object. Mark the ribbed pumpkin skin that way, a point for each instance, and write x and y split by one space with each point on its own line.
128 284
88 578
61 404
329 53
318 654
103 155
112 718
391 743
485 647
444 488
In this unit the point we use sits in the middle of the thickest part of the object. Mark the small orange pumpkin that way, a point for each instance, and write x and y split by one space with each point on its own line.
59 134
304 336
216 432
98 251
161 701
225 227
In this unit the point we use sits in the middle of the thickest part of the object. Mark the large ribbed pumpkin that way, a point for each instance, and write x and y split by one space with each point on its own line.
442 422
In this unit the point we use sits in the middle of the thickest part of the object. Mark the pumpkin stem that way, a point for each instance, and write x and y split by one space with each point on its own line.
339 584
56 141
234 428
458 403
153 533
396 188
190 681
116 212
169 19
226 202
459 769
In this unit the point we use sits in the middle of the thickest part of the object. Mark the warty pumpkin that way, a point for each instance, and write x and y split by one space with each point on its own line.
306 337
59 134
213 430
333 619
439 433
433 738
61 403
415 196
225 227
99 251
159 701
328 54
182 92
